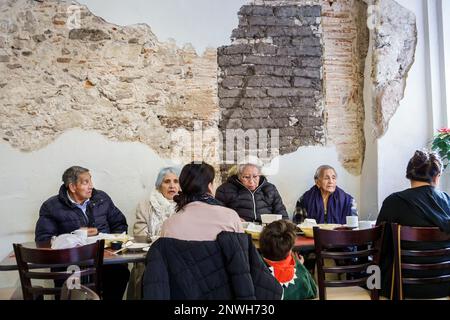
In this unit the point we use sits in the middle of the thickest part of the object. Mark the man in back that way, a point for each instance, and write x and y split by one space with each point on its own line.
79 205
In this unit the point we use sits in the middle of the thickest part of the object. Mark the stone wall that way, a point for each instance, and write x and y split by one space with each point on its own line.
270 76
120 81
293 65
299 67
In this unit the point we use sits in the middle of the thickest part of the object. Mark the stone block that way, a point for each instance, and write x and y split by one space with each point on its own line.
251 10
302 82
229 60
290 92
268 81
265 49
282 40
287 11
255 93
235 49
312 41
300 31
313 73
296 51
229 93
267 60
88 34
232 82
239 70
270 21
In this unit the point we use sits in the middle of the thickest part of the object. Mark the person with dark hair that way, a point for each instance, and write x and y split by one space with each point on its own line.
199 215
325 201
78 205
276 243
422 205
251 194
202 252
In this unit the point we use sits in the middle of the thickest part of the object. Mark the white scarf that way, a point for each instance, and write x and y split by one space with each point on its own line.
162 209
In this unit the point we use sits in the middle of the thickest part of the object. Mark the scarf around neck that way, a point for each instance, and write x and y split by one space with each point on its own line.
283 270
161 204
339 205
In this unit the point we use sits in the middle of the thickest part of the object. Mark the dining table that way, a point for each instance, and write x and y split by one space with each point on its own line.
9 263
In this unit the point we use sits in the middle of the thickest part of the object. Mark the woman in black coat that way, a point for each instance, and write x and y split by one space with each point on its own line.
422 205
250 194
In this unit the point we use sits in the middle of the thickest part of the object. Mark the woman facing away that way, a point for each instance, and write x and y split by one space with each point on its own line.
199 216
325 201
422 205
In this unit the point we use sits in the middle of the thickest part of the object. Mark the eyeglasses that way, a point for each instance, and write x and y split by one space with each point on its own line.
248 178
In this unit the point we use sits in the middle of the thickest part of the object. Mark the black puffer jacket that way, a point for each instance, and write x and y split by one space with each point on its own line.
251 205
228 268
58 215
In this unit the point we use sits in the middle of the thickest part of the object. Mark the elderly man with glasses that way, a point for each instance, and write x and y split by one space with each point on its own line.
250 194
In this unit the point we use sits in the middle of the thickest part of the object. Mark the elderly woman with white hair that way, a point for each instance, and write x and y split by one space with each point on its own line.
250 194
152 212
325 201
150 215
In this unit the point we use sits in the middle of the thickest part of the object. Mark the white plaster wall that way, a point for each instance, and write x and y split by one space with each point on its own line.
126 171
446 73
369 175
446 50
411 126
296 171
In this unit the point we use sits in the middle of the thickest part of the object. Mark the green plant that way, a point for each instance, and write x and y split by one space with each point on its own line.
441 145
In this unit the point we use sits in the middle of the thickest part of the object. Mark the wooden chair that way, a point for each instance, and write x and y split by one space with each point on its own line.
329 245
80 293
89 258
418 234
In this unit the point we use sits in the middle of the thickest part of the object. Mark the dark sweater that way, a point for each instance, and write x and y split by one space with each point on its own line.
416 207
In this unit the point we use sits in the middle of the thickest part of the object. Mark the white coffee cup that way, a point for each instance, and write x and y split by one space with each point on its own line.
82 233
352 221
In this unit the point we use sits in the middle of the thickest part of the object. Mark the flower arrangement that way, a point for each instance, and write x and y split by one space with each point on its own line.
441 145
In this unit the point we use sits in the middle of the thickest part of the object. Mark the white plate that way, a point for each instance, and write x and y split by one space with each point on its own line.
138 246
146 249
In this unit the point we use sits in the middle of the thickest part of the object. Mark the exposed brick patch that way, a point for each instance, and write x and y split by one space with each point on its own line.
346 40
270 76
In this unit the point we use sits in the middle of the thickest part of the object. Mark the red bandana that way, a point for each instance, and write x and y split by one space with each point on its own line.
283 270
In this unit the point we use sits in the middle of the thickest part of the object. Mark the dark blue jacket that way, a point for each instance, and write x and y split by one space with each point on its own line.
228 268
59 215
